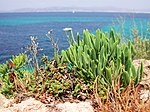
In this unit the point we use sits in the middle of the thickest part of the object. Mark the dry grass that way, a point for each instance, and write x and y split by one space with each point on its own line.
127 100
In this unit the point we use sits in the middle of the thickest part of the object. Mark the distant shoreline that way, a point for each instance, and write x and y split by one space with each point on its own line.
76 12
77 9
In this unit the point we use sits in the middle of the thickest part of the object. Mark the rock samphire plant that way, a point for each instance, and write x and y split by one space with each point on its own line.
104 57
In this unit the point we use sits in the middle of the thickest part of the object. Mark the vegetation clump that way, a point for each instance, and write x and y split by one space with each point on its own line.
96 66
141 44
103 56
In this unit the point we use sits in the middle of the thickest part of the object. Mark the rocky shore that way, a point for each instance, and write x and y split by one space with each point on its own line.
32 105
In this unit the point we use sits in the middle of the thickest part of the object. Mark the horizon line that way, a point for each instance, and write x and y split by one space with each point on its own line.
78 9
73 11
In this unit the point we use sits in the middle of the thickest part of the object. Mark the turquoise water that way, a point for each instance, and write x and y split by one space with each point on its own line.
34 20
16 28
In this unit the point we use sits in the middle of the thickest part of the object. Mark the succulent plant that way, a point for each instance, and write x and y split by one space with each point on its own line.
104 56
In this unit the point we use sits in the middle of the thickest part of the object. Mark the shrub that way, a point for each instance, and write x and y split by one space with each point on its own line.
142 46
103 56
11 72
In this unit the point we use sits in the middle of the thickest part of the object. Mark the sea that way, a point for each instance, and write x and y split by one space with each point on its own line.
17 28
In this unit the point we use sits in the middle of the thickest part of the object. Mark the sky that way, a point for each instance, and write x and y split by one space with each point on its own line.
8 5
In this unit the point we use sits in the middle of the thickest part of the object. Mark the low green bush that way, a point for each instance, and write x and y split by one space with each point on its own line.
56 80
142 45
11 72
103 56
98 58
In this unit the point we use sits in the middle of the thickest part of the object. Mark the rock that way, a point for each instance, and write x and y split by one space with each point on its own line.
144 95
146 65
146 75
145 83
29 105
32 105
4 102
75 107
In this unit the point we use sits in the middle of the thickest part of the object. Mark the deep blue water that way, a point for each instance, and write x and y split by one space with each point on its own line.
16 28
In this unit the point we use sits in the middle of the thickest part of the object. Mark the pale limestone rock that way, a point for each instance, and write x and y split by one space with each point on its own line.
32 105
75 107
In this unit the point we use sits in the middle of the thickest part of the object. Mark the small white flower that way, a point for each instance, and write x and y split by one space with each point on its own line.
32 38
49 32
67 29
